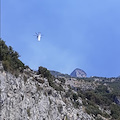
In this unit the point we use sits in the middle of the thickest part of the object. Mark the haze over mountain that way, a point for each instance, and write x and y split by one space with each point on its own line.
77 73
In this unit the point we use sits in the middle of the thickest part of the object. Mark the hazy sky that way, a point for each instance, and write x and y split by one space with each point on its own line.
81 34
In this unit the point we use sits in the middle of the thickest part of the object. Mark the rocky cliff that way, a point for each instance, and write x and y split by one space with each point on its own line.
37 95
30 97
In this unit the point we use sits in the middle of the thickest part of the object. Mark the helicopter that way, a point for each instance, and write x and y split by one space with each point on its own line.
39 35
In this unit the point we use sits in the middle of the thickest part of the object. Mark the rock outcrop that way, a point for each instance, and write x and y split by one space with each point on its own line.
78 73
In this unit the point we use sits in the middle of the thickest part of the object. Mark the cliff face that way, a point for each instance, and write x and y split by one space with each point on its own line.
24 98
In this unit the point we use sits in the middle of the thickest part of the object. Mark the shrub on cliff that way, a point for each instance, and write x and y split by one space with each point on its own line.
9 58
44 72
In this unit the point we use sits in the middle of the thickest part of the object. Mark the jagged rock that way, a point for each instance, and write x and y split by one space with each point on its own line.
78 73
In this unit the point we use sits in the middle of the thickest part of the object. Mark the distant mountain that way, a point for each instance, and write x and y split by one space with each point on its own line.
58 74
78 73
119 76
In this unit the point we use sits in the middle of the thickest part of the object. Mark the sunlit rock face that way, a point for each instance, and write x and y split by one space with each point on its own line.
29 97
78 73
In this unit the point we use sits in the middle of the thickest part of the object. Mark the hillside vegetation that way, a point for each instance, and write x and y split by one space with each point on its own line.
10 59
99 97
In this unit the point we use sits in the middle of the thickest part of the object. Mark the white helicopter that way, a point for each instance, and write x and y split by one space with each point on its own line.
39 35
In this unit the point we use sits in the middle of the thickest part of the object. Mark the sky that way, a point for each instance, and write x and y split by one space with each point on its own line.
81 34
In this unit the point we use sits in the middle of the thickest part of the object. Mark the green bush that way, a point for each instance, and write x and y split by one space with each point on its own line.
28 112
68 93
9 59
115 111
75 96
90 95
44 72
6 65
91 108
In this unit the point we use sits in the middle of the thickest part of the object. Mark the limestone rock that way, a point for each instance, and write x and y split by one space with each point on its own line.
78 73
27 99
